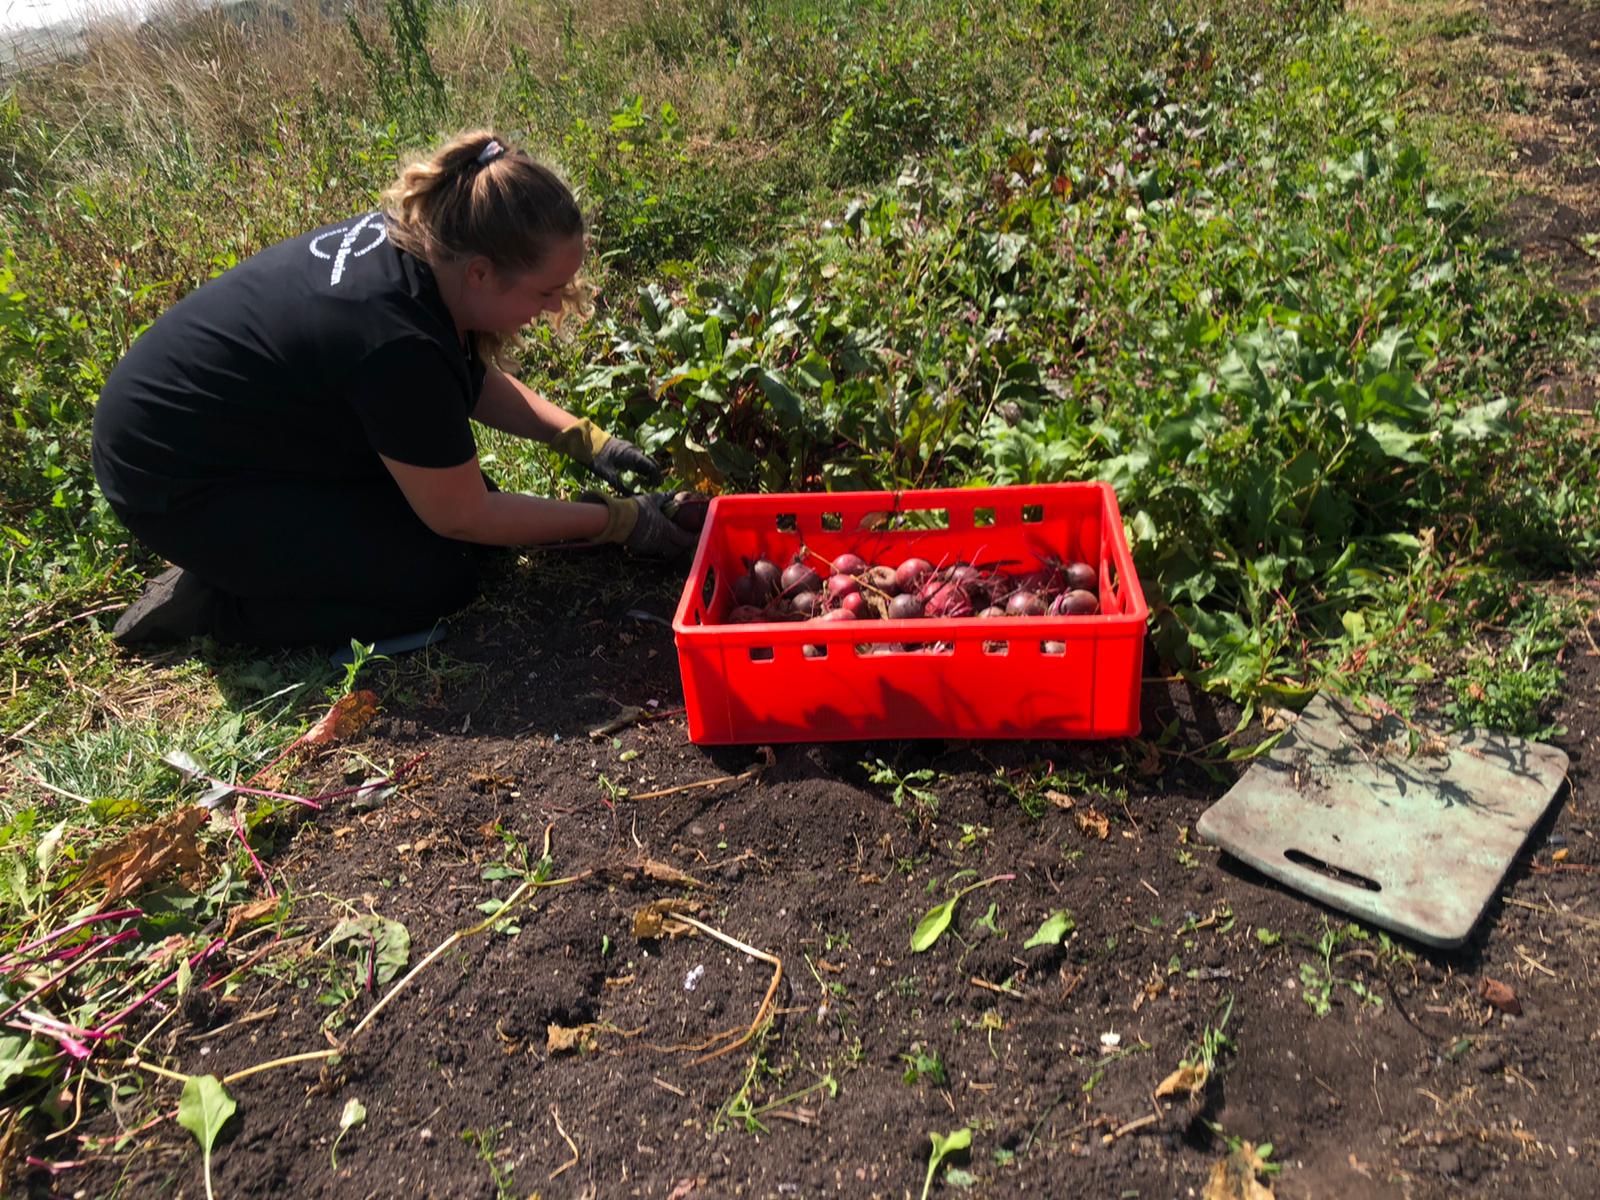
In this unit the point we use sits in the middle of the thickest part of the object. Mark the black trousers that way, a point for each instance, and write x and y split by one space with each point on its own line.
297 562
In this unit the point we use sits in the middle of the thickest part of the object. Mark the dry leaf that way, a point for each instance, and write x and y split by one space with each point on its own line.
246 913
1091 820
14 1143
559 1039
149 853
1149 759
655 919
1059 799
1501 995
686 1186
1560 855
346 717
660 872
1234 1178
1184 1081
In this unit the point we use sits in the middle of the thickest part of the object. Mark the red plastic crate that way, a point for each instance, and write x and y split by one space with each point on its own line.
986 678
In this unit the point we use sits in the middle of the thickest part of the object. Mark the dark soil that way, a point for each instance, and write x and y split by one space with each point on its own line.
1433 1092
1429 1093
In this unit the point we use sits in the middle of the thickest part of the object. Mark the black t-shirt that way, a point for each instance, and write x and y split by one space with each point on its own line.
307 361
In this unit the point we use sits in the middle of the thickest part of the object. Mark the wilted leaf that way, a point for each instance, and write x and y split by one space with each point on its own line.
660 872
1092 821
354 1113
345 718
49 844
149 853
1186 1081
244 914
372 940
1234 1178
559 1039
655 919
1053 931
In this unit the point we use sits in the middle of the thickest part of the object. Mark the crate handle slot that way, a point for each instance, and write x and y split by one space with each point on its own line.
760 653
708 590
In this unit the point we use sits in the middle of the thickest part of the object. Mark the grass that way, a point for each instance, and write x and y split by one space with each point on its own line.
1234 258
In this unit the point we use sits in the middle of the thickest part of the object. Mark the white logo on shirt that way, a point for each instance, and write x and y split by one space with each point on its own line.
370 225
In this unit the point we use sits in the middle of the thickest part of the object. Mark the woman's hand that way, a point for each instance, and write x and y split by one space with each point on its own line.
642 525
608 457
617 456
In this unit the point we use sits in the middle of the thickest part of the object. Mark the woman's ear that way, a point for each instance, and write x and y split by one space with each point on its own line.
479 273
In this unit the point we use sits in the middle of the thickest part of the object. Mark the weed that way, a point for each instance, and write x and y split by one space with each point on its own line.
1319 980
943 1146
485 1142
907 790
923 1065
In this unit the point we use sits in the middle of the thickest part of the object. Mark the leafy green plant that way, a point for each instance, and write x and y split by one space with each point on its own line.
937 919
942 1147
203 1109
1320 979
1053 931
486 1144
924 1065
354 1113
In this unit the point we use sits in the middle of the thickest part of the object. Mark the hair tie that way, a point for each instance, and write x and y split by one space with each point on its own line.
490 152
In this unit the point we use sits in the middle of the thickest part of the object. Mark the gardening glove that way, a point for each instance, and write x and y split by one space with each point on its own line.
640 524
608 457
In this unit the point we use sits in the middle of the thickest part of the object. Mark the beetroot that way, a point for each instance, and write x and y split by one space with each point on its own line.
797 577
992 611
807 604
951 600
905 607
849 564
688 511
965 576
1025 604
1081 576
856 602
929 586
747 614
840 586
1044 583
749 592
766 572
909 575
882 579
837 614
1076 603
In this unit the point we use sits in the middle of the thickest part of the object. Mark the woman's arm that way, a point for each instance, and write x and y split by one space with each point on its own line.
512 406
454 503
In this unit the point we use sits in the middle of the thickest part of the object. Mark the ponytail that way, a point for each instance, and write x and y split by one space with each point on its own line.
473 197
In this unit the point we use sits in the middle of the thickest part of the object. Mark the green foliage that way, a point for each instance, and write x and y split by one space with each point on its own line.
943 1146
1053 932
203 1109
924 1064
1320 979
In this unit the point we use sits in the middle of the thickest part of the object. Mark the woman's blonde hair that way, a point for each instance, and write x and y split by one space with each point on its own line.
475 197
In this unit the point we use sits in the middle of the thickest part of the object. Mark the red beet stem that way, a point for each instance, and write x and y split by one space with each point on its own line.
5 963
122 1016
73 966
